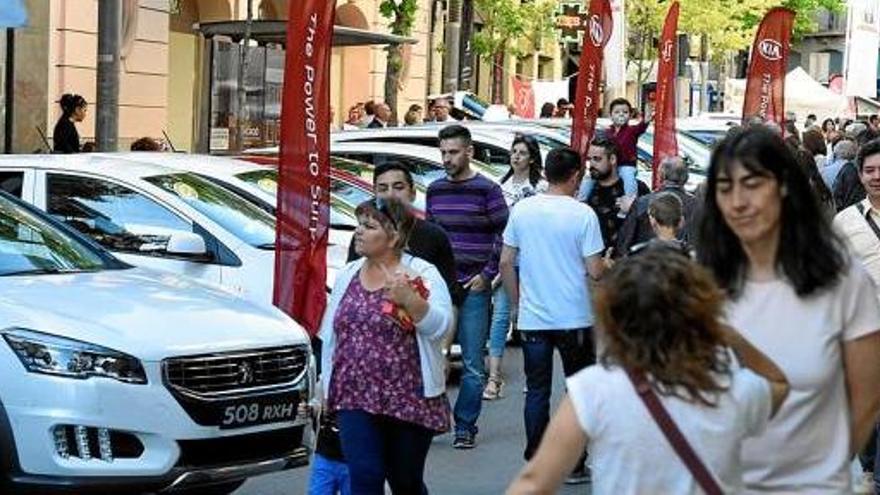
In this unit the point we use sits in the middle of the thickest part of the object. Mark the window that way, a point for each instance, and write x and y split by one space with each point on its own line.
115 216
11 182
237 215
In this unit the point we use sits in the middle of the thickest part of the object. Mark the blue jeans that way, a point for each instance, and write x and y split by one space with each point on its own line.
379 448
500 322
627 173
329 477
577 352
473 327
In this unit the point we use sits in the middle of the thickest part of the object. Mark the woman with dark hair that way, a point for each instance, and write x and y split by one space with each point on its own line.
659 329
524 178
808 164
547 110
814 142
382 357
65 138
797 295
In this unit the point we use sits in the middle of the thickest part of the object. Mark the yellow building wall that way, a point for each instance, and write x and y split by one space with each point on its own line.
143 87
182 73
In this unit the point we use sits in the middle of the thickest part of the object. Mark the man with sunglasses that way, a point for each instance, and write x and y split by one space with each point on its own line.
427 241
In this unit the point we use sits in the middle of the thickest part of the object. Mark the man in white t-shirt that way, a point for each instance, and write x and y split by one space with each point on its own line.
559 243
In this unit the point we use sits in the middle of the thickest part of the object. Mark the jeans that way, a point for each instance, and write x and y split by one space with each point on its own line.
473 327
379 448
329 477
500 322
577 352
627 174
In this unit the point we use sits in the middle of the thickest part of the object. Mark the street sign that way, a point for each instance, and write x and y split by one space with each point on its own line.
571 22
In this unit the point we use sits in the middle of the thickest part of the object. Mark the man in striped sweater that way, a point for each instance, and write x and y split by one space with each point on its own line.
472 211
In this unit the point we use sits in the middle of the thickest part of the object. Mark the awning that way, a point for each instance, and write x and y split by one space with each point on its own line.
276 32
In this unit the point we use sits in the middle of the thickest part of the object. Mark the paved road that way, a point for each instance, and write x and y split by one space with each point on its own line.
486 470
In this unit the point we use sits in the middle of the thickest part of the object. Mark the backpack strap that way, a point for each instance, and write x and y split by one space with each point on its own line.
867 216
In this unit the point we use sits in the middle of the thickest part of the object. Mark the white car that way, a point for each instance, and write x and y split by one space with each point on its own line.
154 216
491 141
116 379
259 184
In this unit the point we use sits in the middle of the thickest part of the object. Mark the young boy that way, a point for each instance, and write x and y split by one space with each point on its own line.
329 472
667 221
625 137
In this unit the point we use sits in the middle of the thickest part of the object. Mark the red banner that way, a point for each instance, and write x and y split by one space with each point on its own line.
765 85
304 165
665 140
586 104
524 99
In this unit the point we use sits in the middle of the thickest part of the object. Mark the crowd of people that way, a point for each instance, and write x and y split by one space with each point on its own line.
720 341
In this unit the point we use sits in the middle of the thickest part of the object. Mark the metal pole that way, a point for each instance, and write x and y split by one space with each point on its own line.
9 90
453 46
242 70
107 105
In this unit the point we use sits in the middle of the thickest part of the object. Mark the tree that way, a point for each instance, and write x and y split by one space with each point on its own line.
511 27
402 15
729 26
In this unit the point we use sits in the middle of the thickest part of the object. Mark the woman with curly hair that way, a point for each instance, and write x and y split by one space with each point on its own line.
659 316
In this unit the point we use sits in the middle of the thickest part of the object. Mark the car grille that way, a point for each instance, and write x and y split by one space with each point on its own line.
236 372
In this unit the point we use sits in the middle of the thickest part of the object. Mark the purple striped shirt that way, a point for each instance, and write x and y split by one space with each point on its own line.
473 213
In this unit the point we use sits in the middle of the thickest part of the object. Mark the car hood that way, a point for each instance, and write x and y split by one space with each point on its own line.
148 314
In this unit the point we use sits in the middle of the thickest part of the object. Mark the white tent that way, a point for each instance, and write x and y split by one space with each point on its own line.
803 96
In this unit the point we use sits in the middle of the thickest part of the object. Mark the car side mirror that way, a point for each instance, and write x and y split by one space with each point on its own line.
186 244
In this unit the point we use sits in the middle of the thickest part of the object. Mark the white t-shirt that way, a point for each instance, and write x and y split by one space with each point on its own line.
554 234
806 446
514 192
629 453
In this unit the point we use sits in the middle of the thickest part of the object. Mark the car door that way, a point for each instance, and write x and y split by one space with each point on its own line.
134 226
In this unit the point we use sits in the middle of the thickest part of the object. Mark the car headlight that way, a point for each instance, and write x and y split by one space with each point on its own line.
52 355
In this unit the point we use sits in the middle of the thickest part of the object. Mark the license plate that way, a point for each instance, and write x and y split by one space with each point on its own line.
259 410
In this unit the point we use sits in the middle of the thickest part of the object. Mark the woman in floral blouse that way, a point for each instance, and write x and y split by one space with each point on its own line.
382 357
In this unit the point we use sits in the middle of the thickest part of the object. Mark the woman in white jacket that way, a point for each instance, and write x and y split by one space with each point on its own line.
382 356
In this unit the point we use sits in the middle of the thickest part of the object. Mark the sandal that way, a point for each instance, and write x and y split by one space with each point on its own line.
494 388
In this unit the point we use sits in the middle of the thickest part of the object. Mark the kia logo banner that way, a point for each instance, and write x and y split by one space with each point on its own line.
770 49
765 84
665 138
303 213
586 101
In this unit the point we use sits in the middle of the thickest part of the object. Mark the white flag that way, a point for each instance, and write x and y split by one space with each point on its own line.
862 43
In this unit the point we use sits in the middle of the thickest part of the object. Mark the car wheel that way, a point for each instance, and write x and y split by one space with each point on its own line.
224 489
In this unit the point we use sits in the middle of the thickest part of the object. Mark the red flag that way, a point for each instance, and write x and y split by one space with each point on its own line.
304 164
665 140
765 86
586 102
524 99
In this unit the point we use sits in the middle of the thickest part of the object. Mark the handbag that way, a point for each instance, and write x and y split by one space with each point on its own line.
670 430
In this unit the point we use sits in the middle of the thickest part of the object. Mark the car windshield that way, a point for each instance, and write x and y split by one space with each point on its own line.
29 244
266 180
240 217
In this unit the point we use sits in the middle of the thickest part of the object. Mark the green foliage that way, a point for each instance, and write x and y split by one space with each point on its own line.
729 24
401 13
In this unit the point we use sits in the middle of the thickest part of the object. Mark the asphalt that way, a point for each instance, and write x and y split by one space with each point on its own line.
486 470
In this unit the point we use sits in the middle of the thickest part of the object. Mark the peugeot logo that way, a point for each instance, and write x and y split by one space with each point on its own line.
770 49
597 32
245 374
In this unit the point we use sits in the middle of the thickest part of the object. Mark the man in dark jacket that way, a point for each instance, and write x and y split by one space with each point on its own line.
427 240
637 229
848 188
